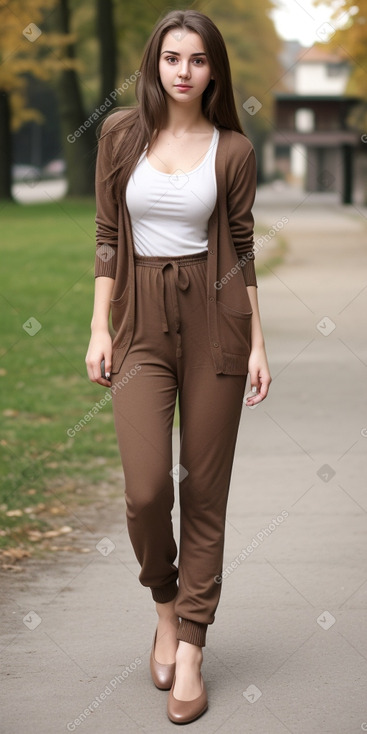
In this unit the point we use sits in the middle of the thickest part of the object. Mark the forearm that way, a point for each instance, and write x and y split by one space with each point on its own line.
257 337
258 364
102 297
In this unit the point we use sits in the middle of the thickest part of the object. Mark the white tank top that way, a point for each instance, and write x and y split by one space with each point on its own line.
169 212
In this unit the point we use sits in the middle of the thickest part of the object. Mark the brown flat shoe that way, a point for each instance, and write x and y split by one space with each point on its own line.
162 674
182 712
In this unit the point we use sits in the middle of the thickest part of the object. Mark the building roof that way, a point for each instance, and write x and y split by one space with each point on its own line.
317 54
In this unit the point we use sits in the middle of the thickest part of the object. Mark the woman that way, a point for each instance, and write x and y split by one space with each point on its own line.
175 184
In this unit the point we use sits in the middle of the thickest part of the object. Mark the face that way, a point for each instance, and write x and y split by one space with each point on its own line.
183 65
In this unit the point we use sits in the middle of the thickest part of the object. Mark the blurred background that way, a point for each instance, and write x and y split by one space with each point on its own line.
292 620
298 74
300 86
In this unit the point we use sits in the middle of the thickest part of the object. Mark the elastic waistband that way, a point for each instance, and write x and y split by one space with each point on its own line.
159 260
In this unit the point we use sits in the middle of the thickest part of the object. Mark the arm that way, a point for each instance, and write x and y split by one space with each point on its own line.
100 345
240 202
258 364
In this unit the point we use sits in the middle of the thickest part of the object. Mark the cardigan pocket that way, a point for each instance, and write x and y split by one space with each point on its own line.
118 356
119 310
234 329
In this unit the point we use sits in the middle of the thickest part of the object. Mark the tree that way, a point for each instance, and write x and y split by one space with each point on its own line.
349 37
36 39
108 47
74 44
20 41
78 139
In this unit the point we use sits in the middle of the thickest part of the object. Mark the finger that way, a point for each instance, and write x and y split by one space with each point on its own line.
103 381
97 373
108 366
92 374
261 395
255 400
251 395
94 371
265 384
255 380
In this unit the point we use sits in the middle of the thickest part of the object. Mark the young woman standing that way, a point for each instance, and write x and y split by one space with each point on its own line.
175 185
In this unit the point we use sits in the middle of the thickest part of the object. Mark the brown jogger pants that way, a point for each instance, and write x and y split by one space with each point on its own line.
170 351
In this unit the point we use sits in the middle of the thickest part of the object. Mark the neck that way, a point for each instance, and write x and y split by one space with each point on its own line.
182 118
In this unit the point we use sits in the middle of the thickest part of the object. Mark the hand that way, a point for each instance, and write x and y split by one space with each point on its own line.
100 347
259 375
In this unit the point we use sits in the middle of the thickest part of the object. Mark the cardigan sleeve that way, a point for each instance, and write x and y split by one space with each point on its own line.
240 199
106 209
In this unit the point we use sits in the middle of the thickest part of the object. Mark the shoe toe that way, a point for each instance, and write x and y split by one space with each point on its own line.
162 674
182 712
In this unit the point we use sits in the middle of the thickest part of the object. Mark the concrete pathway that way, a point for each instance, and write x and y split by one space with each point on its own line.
288 650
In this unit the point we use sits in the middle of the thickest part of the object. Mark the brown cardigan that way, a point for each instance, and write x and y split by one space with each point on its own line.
230 251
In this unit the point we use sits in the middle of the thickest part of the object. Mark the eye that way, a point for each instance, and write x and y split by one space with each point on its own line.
171 58
201 61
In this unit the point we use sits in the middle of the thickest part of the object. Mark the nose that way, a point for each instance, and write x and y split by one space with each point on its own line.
184 70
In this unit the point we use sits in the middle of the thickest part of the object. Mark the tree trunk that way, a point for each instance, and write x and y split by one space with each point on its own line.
5 146
108 49
78 138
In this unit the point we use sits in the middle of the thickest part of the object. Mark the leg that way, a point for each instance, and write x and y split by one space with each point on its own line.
210 411
166 642
144 410
143 413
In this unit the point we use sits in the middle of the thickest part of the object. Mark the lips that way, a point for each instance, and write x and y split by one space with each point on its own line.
183 86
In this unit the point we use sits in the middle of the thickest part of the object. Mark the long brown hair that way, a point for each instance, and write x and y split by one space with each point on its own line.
141 124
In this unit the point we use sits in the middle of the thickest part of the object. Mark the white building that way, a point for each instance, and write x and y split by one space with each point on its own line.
313 145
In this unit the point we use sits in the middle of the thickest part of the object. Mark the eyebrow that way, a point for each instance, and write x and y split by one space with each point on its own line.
176 53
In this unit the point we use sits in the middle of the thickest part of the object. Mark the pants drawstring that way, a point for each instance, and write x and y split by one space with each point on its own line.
182 281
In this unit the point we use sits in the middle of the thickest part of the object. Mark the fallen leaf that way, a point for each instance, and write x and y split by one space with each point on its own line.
40 507
56 533
16 553
14 513
34 535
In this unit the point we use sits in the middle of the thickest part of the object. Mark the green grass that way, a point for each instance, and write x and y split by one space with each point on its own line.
47 274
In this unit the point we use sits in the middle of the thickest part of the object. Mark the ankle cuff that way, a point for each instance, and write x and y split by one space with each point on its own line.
163 594
194 632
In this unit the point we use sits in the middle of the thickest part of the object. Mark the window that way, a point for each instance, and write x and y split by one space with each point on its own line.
334 69
304 120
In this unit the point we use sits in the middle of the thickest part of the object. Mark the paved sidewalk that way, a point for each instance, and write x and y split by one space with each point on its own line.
288 650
